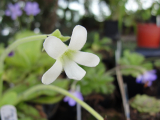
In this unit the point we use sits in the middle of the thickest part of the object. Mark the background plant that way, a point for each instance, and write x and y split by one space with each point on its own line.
134 64
145 104
96 81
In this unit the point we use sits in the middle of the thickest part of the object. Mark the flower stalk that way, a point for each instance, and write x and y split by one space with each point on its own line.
113 70
1 85
64 92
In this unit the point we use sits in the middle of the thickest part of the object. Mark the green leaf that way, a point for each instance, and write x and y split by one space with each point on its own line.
58 34
145 104
9 98
29 112
96 81
26 54
157 63
23 34
134 60
47 99
29 82
148 66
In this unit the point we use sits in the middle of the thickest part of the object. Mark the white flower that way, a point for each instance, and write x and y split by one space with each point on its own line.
67 57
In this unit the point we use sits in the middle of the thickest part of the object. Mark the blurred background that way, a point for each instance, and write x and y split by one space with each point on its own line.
129 28
112 18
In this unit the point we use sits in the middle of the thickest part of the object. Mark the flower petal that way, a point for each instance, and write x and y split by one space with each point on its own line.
148 76
52 74
86 59
54 46
152 71
71 102
7 12
139 78
78 95
78 38
66 99
72 70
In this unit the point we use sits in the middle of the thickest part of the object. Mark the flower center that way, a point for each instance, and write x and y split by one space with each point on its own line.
67 55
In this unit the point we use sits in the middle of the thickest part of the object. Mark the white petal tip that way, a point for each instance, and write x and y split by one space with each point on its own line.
46 82
80 26
78 38
52 74
97 60
78 77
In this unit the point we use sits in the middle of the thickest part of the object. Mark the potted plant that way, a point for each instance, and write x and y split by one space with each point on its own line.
148 35
114 21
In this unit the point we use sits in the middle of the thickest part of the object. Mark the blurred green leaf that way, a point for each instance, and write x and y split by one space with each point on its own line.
47 99
23 34
145 104
157 63
135 62
9 98
26 54
42 90
96 81
27 112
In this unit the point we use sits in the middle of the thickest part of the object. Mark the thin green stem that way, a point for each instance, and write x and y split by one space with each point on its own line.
10 48
111 71
73 86
32 90
1 84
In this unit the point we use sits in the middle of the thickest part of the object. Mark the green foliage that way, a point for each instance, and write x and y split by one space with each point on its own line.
43 90
27 92
95 43
24 71
117 8
157 63
23 34
145 104
28 59
6 99
26 55
96 81
100 44
131 58
27 112
143 15
134 64
1 48
48 99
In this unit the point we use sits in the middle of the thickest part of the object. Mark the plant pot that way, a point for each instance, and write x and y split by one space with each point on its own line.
111 30
148 36
148 52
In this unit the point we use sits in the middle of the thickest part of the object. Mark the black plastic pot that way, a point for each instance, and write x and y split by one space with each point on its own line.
133 87
149 52
60 111
111 30
50 110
